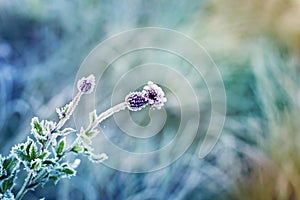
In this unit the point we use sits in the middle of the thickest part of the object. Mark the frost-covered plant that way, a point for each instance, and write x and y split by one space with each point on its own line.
42 156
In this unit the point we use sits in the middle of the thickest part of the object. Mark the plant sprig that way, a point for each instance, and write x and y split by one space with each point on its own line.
42 157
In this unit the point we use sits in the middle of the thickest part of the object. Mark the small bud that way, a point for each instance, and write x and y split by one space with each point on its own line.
86 84
136 101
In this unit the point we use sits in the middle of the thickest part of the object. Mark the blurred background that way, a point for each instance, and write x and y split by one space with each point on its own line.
255 44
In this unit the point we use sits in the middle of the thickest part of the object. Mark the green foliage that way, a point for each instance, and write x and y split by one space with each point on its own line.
60 146
42 157
8 170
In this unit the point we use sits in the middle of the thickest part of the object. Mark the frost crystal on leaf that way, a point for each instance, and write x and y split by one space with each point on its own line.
155 95
86 84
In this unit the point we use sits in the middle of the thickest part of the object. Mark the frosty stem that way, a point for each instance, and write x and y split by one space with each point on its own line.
104 115
23 189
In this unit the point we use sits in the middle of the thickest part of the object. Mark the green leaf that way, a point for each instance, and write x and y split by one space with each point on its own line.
22 156
49 162
69 171
36 165
92 116
67 131
37 126
33 152
29 143
55 179
7 184
61 145
10 164
77 149
44 155
92 133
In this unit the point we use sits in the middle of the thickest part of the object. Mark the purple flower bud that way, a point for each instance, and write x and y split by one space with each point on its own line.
136 101
86 84
155 95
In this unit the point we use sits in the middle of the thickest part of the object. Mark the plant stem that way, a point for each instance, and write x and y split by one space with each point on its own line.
106 114
23 189
70 111
63 120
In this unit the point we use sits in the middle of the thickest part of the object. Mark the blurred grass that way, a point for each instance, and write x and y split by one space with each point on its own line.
255 44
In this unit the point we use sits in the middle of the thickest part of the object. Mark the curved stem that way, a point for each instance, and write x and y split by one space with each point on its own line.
70 111
106 114
23 189
63 120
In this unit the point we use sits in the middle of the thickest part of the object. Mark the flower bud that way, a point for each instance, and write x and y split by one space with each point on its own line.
86 84
136 101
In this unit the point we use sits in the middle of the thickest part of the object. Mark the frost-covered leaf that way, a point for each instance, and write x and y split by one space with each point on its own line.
92 133
10 164
41 130
36 126
98 158
77 149
37 129
28 145
36 164
69 171
49 162
7 184
61 146
55 179
67 131
92 116
62 112
21 155
84 139
44 155
49 126
25 152
33 152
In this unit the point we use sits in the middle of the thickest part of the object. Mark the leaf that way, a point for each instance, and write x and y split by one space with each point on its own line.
37 129
36 165
98 158
92 133
86 140
37 126
44 155
77 149
7 184
49 162
10 164
33 152
22 156
61 145
67 131
62 112
68 171
28 145
92 116
55 179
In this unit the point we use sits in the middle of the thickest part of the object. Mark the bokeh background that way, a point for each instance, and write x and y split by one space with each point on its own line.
255 44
